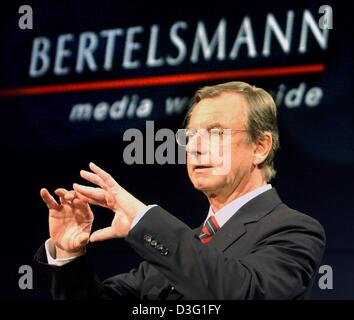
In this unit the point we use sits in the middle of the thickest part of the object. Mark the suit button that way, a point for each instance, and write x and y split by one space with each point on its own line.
153 243
159 247
164 251
147 238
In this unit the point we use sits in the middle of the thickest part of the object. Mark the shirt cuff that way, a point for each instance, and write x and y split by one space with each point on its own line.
141 214
50 252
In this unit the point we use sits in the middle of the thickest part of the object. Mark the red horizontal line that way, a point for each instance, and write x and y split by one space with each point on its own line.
162 80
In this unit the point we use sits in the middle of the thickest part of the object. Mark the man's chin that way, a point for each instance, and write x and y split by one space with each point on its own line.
205 184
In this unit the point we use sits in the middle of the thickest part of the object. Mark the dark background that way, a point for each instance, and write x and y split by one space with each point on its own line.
41 147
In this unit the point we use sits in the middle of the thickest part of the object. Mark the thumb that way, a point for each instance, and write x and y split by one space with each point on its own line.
83 238
102 234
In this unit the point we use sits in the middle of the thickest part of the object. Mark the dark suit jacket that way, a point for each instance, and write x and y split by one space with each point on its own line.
265 251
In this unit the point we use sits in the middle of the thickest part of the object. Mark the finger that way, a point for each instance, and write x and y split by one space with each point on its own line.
63 195
48 199
106 177
93 178
82 197
102 234
88 200
96 194
61 192
71 195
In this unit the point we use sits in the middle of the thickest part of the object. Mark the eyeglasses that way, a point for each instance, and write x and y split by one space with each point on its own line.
183 136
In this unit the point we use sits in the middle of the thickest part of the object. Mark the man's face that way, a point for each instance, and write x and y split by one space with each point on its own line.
228 111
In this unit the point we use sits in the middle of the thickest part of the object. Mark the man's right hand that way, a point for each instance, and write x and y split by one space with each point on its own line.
70 222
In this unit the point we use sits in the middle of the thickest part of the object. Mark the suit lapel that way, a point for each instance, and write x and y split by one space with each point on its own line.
252 211
230 232
235 228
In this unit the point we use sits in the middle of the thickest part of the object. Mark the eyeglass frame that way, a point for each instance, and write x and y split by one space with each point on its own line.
230 131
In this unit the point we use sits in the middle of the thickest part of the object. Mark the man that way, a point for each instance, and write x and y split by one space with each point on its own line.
251 246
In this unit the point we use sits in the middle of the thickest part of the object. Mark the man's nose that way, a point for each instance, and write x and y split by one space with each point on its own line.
198 144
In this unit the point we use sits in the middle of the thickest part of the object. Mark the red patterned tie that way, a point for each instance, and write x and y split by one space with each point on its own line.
209 229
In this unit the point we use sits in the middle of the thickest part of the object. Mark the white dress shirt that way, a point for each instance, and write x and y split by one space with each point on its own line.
222 216
226 212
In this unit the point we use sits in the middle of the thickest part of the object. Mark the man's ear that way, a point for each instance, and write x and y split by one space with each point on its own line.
262 148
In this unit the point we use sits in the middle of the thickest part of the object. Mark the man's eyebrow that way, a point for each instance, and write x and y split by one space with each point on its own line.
214 125
210 125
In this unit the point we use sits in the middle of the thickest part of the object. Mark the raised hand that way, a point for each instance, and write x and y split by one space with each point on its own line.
70 222
110 195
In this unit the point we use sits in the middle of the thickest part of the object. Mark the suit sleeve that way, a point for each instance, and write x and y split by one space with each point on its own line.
281 265
76 280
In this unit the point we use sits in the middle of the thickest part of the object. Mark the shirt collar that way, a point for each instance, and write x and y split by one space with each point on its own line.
225 213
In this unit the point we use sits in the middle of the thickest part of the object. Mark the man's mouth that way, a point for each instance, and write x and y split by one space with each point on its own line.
201 168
